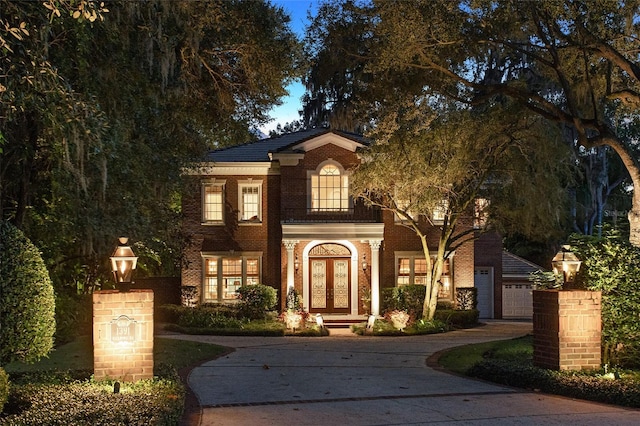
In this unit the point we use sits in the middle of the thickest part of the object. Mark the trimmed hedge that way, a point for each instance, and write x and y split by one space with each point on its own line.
458 319
257 300
27 302
4 388
581 385
408 298
148 402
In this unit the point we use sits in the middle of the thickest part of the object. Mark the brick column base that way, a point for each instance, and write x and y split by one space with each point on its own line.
567 329
123 335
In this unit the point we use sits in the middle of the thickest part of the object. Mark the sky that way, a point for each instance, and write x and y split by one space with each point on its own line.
288 111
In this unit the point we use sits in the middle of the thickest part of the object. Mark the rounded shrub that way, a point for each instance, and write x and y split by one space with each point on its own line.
4 388
257 300
27 302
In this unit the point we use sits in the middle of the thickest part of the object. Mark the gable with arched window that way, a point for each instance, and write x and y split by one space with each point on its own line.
329 188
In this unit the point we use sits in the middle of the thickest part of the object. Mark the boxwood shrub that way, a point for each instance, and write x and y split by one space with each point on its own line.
4 388
27 303
582 385
458 319
257 300
408 298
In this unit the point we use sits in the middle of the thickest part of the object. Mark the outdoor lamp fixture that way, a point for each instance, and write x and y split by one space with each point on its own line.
319 320
364 262
567 263
123 262
296 264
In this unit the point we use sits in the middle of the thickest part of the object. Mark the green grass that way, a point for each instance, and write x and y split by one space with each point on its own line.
460 360
78 355
510 362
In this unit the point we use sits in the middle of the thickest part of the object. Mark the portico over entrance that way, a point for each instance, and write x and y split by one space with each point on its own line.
334 267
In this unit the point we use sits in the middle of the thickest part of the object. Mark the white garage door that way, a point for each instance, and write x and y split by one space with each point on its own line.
517 301
483 281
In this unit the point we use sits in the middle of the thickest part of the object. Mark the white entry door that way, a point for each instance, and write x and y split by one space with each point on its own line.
483 281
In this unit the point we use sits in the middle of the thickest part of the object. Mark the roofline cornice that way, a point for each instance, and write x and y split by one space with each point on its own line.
233 168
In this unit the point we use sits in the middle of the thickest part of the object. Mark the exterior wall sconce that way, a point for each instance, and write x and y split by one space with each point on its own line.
296 264
123 263
364 262
565 262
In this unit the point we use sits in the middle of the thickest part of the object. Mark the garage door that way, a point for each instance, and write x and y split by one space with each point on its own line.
517 301
483 281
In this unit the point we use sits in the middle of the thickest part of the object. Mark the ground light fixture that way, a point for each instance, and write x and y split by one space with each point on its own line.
123 263
565 262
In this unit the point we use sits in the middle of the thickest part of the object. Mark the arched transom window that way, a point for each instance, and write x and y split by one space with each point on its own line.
330 189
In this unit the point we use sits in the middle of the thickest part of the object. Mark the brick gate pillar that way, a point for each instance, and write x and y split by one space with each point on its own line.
123 335
567 329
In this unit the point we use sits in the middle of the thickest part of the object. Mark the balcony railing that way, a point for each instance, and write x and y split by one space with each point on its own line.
359 213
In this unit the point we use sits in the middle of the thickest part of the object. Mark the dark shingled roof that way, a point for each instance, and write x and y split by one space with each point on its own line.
513 265
258 151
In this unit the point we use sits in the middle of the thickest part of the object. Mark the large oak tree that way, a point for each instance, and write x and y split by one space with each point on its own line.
102 104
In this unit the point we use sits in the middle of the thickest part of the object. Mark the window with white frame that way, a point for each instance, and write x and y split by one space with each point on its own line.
330 189
250 201
402 205
224 275
213 202
439 212
411 268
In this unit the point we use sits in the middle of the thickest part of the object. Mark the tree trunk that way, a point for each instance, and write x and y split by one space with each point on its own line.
634 172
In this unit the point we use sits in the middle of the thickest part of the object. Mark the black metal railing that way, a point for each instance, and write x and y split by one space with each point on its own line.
359 213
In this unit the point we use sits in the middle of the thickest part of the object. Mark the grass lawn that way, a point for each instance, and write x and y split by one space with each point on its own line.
78 355
460 360
510 362
58 390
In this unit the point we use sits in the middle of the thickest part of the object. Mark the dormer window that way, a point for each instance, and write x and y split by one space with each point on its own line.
329 189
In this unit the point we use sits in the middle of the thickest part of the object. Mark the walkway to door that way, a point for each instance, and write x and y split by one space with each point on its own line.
356 380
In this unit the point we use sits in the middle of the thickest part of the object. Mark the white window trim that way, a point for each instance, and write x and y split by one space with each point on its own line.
418 254
218 257
213 182
440 212
250 183
316 172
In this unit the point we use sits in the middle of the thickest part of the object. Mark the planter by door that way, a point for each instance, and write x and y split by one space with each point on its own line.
567 329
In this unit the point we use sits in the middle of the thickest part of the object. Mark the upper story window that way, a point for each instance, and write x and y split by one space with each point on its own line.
213 202
250 201
439 212
330 189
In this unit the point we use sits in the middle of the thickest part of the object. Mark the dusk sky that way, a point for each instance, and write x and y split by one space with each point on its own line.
288 111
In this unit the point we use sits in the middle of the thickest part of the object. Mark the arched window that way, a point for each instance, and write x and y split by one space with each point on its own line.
330 189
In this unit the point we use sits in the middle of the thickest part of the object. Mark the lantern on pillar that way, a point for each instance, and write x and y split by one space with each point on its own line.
123 263
565 262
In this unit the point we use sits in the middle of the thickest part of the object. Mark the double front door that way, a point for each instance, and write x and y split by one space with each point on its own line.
329 283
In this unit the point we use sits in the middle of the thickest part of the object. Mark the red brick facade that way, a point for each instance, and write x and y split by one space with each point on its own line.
289 230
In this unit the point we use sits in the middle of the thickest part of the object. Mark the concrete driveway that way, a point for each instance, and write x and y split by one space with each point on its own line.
354 380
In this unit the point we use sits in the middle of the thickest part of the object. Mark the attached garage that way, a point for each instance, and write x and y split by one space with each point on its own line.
517 290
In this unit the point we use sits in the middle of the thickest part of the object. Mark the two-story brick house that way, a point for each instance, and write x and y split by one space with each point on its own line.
278 212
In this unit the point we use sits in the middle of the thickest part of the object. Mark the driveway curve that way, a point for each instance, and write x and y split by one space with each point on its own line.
354 380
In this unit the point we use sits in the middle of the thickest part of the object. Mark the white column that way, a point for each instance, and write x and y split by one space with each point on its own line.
375 276
290 245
